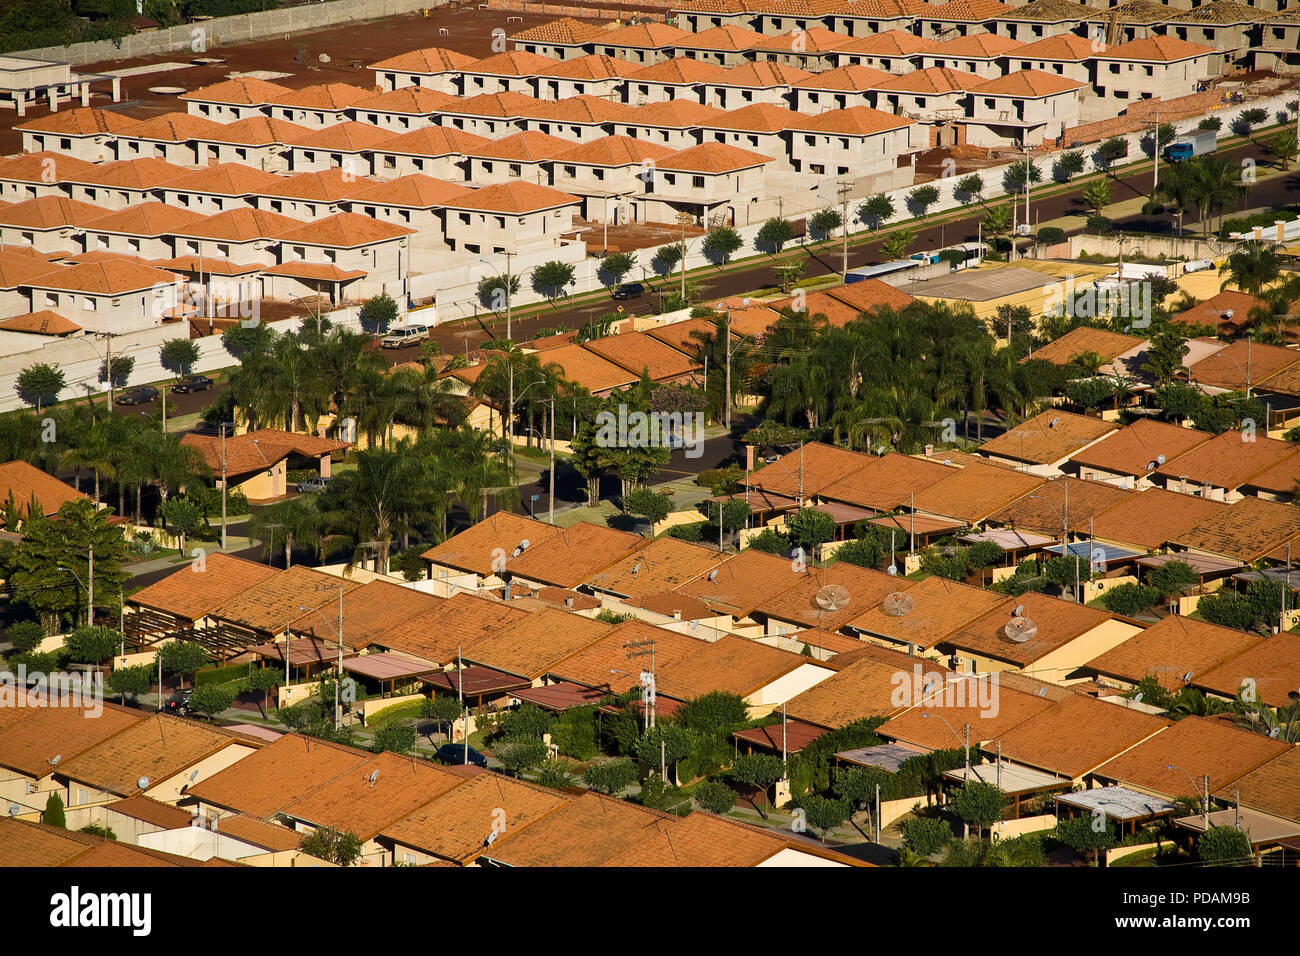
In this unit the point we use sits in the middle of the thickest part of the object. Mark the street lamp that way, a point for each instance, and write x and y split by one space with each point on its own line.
508 276
338 640
90 590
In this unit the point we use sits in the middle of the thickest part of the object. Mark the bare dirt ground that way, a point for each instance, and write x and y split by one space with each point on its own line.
635 235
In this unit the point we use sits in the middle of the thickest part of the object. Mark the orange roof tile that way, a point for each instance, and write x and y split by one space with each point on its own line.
593 66
531 647
39 167
1077 734
614 151
83 121
1271 668
854 121
240 90
1176 648
474 548
269 605
799 605
45 322
349 137
368 612
675 71
1028 83
1273 787
564 31
1044 510
1156 49
507 105
809 470
515 197
346 230
933 80
34 736
169 127
729 37
460 621
225 179
849 78
647 36
759 76
256 450
1066 47
973 492
416 191
156 748
1048 438
1227 460
961 703
976 46
257 131
1247 530
865 688
935 607
1153 518
1059 623
429 61
575 554
407 99
1132 449
144 219
529 147
891 43
586 831
639 353
329 97
759 117
49 212
240 225
731 664
105 278
190 593
270 779
713 158
588 109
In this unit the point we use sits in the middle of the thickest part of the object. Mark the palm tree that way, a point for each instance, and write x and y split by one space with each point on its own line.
1215 181
1097 195
91 447
800 388
296 519
977 361
1284 146
1251 267
296 383
898 243
997 222
363 508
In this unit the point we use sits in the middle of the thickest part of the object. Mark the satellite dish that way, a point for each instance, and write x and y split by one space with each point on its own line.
54 761
713 575
636 569
896 604
1227 314
1152 465
1137 698
831 597
523 546
194 776
1187 678
1020 629
143 783
14 809
1055 421
374 775
947 461
1160 459
1019 611
892 570
491 838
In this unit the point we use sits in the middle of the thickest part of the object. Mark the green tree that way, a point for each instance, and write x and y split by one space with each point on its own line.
877 210
721 242
552 278
1250 267
922 198
182 658
775 233
40 383
925 836
1172 577
826 221
264 680
178 356
326 843
184 517
211 699
93 645
1097 195
443 709
1110 151
1284 147
1068 165
714 796
25 635
789 272
519 754
527 722
897 244
978 804
824 814
651 505
614 267
610 777
714 714
1129 599
1017 172
397 737
665 743
495 293
997 221
1224 846
122 367
53 815
1086 835
970 186
378 313
809 527
758 770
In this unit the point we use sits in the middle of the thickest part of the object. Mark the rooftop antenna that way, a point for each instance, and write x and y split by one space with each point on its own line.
897 604
1055 421
54 761
142 782
374 775
1020 628
713 575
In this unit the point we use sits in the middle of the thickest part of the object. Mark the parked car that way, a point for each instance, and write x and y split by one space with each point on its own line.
402 336
310 486
455 753
192 383
630 290
179 703
140 395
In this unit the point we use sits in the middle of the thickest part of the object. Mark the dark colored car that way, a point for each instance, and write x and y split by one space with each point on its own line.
455 753
179 703
139 395
631 290
193 383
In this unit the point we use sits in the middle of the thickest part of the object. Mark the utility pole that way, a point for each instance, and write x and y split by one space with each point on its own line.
223 486
645 648
844 187
108 366
726 398
460 698
508 335
1155 158
90 588
338 710
1029 166
682 219
552 479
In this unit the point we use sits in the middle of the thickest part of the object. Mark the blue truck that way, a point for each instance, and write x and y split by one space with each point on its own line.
1196 143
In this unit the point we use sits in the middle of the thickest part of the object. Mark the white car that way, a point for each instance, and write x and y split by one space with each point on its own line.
401 336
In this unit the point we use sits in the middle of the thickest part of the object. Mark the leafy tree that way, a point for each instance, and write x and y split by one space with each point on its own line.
715 796
122 367
925 836
1051 235
552 278
53 815
40 383
922 198
264 679
997 221
1284 147
824 814
527 722
574 732
614 267
397 737
1162 136
1210 123
1084 836
1090 393
329 844
1165 356
495 293
184 516
518 754
649 504
775 233
1251 266
1129 599
211 699
1068 165
179 355
721 242
1172 577
182 658
378 313
442 709
130 681
610 777
554 774
716 713
665 743
25 635
877 210
978 804
1224 846
1014 179
970 186
1110 150
826 221
93 645
809 527
758 770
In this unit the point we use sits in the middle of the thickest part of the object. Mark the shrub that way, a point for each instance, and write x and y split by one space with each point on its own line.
25 635
396 737
715 796
1224 846
610 777
925 836
1129 599
1051 235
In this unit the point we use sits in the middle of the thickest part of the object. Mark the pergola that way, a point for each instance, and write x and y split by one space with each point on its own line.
1127 807
387 667
1012 779
558 698
476 681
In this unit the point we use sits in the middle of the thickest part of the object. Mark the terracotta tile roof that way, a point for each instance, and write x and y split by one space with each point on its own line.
528 147
271 604
1227 461
408 99
1131 449
1156 49
369 612
533 646
565 30
974 492
44 322
461 620
170 128
1045 512
713 158
638 353
743 583
24 482
83 121
1028 83
731 664
241 225
586 831
647 36
1273 787
976 46
1175 647
268 836
970 11
865 688
241 91
586 368
603 664
960 703
1153 518
158 747
49 212
883 9
353 802
1077 735
428 61
678 70
798 604
673 114
1059 622
456 824
759 76
225 179
870 293
849 78
679 335
508 105
474 548
1247 530
33 736
575 554
854 121
889 43
1242 365
704 840
1280 479
514 63
933 80
1055 10
937 608
830 641
729 37
329 97
151 811
1194 746
348 137
416 191
105 278
142 174
433 141
1066 47
884 483
513 198
1272 665
813 40
325 185
257 131
614 151
584 109
189 594
1049 437
24 843
345 230
814 467
36 167
255 450
759 117
144 219
671 604
593 66
270 779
